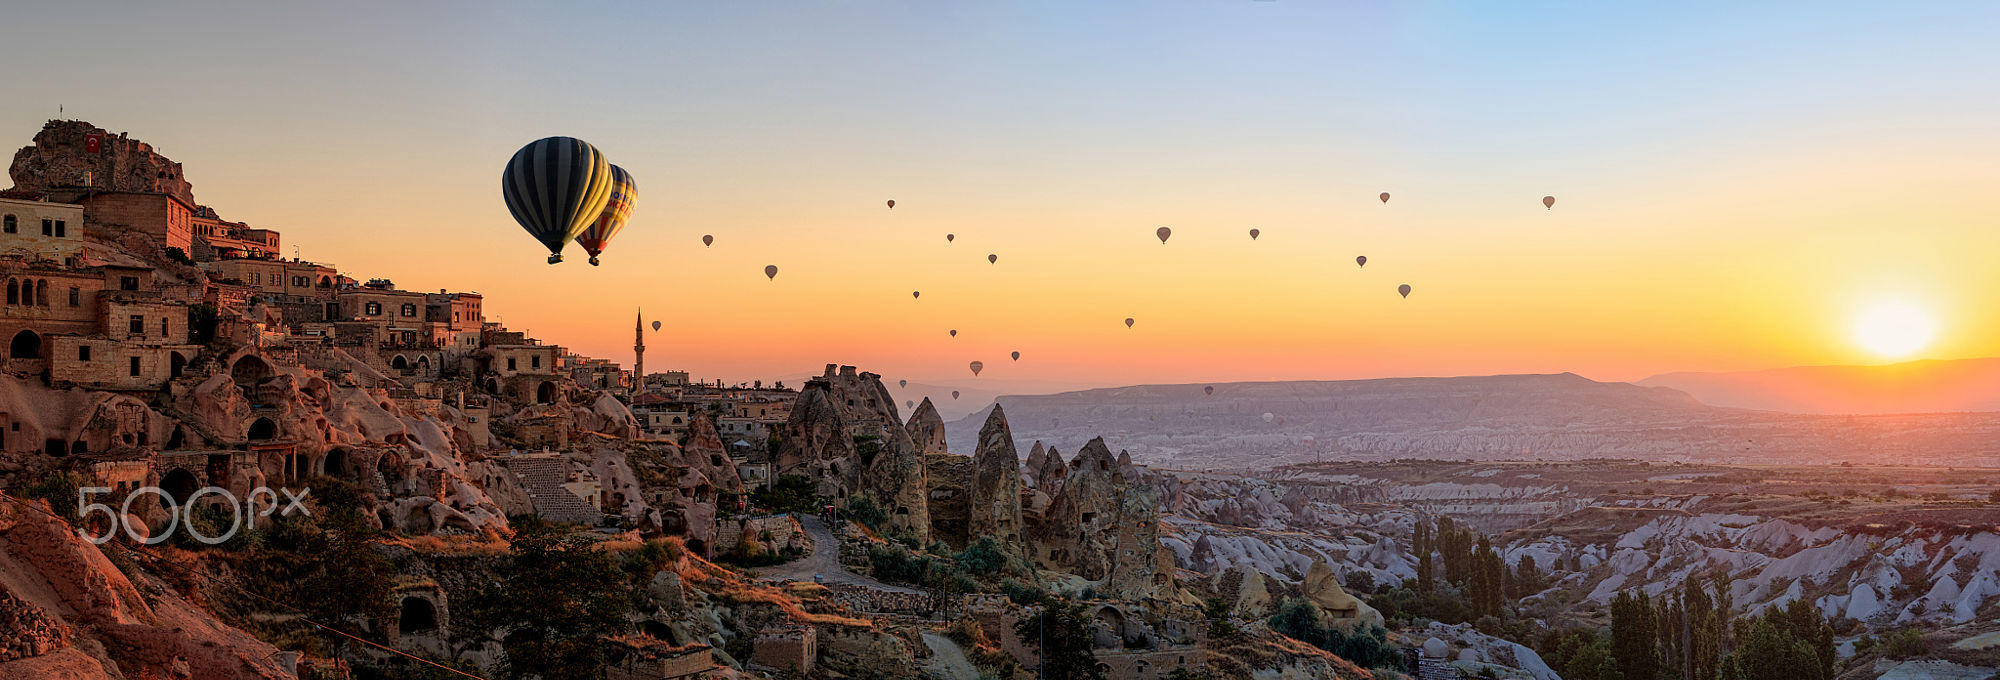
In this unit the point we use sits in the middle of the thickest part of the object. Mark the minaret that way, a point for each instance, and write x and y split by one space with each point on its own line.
638 353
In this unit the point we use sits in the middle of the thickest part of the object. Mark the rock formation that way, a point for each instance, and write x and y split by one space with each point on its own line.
995 504
58 159
1104 527
927 428
1336 605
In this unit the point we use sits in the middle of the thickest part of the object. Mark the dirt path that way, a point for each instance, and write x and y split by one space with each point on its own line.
824 562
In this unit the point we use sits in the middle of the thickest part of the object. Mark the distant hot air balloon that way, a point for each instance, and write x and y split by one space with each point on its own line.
902 383
707 240
992 259
1361 260
954 332
1128 322
1254 233
656 325
1268 416
770 271
1163 233
892 204
1208 390
1404 289
555 187
1549 202
950 237
1385 197
1017 356
915 294
1309 440
954 394
909 404
977 366
617 211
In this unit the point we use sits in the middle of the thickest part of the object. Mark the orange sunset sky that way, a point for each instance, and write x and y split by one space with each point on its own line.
1736 186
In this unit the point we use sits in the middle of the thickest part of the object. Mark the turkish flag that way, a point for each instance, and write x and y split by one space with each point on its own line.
92 142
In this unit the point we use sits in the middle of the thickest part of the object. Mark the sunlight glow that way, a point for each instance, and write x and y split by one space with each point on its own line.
1893 329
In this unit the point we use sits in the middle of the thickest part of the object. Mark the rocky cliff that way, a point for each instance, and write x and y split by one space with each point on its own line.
58 158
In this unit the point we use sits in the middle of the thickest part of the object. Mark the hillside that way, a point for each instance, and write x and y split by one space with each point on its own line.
1911 387
1555 417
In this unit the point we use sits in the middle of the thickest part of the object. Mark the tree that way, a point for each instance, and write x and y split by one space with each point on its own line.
1062 631
790 493
1703 632
1771 652
1217 611
1367 647
1633 636
559 597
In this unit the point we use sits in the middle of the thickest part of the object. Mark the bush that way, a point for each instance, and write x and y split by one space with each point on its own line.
897 563
1022 593
790 493
1367 647
862 508
1907 643
983 557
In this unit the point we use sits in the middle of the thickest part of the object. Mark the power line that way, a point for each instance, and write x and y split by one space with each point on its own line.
301 615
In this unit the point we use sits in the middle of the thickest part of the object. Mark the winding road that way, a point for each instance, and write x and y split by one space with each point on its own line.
824 562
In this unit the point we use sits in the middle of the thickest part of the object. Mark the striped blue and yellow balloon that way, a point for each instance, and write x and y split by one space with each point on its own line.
624 194
556 187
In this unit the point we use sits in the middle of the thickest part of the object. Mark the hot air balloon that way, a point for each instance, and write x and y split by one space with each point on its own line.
656 325
992 259
617 210
1254 233
977 366
1385 197
1268 416
1017 356
1163 233
902 383
950 237
1208 390
555 187
1404 289
915 294
707 240
1361 260
954 332
1549 202
770 271
1309 440
1128 322
954 394
909 404
892 204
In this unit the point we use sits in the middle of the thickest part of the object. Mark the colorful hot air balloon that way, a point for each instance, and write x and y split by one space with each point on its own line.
1254 233
1163 233
1404 289
977 366
892 204
617 211
707 239
555 187
954 394
1385 197
1128 322
656 325
1208 390
950 237
902 383
992 259
1017 356
1361 260
1268 416
770 271
1549 202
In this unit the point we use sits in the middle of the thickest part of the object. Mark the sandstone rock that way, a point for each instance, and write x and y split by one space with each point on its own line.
995 504
1032 470
926 428
1322 587
57 158
1103 527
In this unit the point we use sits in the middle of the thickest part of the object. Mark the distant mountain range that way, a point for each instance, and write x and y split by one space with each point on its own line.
1553 417
1940 386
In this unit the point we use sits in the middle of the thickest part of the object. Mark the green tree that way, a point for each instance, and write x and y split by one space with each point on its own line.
1367 647
1633 642
1062 631
790 493
1219 624
559 597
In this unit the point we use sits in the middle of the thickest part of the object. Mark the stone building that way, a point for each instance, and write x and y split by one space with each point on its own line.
39 230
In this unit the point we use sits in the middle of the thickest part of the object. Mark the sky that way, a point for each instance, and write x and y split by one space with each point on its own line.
1737 186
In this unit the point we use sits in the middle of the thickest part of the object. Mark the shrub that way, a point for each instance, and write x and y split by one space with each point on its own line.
862 508
983 556
1022 593
1906 643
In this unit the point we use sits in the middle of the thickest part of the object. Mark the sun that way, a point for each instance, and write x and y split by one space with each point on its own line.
1893 329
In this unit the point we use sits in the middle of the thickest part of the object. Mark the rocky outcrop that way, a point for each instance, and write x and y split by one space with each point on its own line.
995 504
1336 605
1037 455
927 429
1104 527
58 159
815 433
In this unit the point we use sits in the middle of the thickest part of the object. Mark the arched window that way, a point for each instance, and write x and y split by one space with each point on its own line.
399 363
26 345
13 292
42 292
418 615
545 394
263 429
180 484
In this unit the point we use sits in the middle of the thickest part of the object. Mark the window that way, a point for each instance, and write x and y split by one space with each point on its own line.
135 366
73 293
128 283
12 224
48 227
510 363
13 296
535 361
409 309
138 325
163 327
372 308
60 224
83 352
298 282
